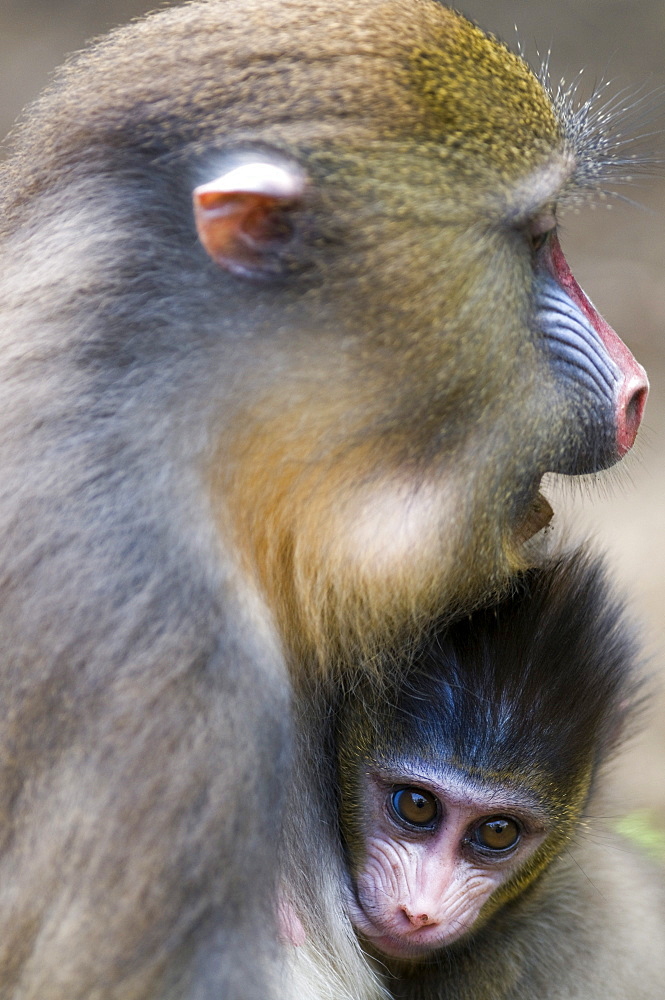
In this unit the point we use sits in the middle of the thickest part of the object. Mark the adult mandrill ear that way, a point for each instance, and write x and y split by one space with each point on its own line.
244 217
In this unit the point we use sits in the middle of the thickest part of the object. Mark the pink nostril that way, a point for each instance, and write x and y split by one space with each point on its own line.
417 920
630 409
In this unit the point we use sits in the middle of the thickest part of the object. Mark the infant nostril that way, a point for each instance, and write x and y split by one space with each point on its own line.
416 920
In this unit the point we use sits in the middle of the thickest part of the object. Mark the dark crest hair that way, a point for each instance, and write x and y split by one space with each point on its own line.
541 684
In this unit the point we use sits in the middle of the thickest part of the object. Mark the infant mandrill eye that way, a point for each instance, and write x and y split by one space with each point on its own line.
415 807
496 834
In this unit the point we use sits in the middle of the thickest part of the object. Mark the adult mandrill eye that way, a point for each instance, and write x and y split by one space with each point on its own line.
496 834
415 807
538 240
540 230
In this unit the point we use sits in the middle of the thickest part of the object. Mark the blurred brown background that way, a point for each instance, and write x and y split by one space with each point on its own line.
618 257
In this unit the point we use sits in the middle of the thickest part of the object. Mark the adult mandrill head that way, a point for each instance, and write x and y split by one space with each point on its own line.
375 349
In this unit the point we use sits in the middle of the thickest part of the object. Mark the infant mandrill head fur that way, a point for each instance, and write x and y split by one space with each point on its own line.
460 788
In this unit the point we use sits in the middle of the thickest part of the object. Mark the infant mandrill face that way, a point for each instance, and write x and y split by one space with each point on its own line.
438 854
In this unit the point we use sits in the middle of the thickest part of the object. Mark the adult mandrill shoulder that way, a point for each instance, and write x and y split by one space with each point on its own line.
468 802
288 342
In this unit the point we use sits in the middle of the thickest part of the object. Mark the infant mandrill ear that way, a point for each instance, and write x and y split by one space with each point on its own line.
243 217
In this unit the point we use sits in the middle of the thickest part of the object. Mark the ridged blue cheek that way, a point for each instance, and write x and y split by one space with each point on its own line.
573 346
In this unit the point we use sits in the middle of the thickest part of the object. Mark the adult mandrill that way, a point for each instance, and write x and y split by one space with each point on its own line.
288 343
468 802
